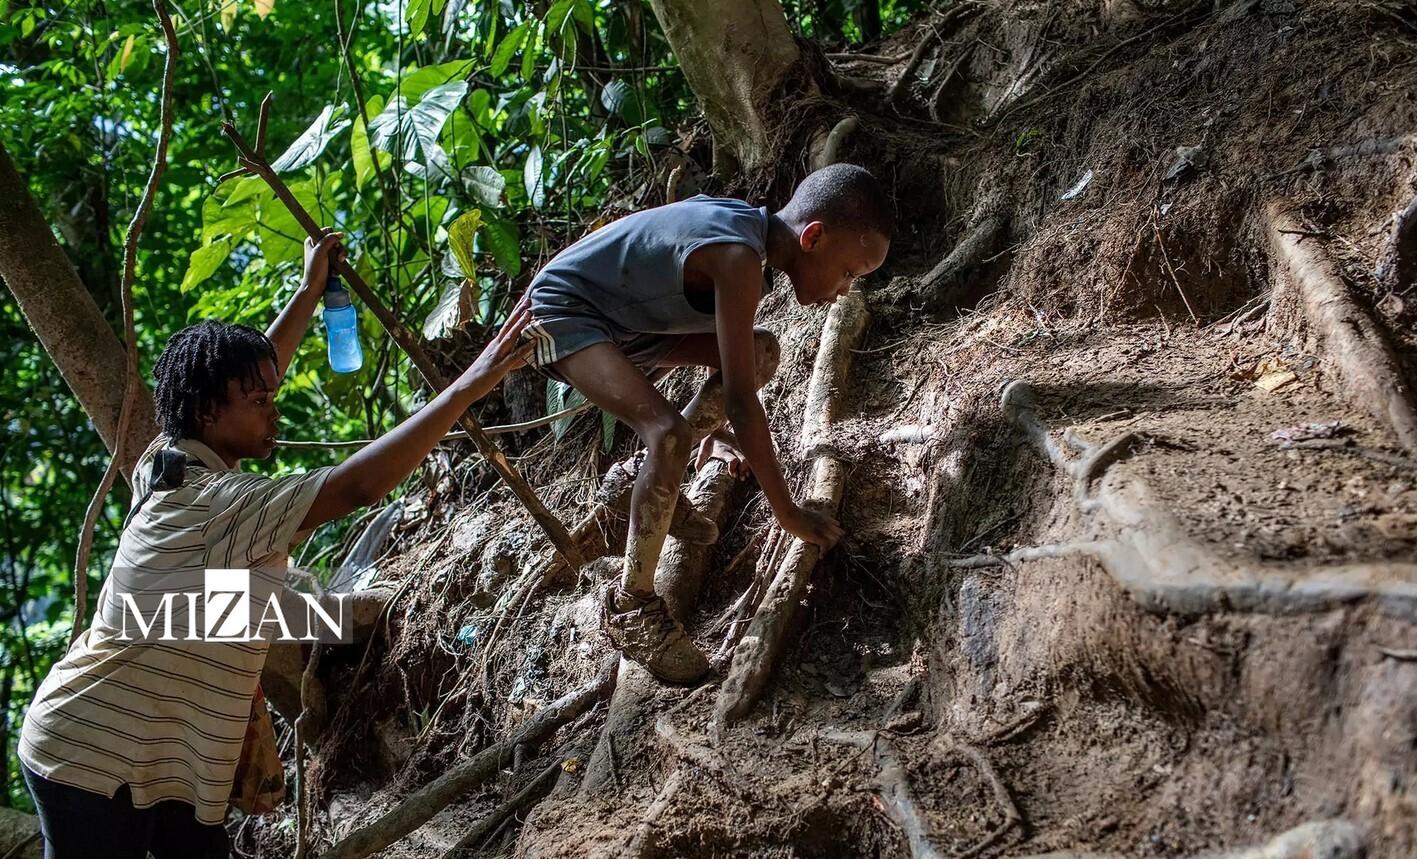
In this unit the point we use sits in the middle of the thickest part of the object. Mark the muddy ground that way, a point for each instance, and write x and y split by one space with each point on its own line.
1094 701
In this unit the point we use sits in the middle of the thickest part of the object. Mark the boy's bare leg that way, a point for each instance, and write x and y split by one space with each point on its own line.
638 620
705 412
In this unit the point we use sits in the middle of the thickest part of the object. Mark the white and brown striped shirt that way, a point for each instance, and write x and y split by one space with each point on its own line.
168 717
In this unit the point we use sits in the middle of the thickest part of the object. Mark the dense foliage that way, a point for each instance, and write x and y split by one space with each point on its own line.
456 144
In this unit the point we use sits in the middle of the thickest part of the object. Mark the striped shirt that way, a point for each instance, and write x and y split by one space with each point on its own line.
168 717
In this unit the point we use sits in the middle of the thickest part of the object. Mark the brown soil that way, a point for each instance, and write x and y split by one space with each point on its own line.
1160 731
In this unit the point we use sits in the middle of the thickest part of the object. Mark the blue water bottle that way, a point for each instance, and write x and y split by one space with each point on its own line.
341 328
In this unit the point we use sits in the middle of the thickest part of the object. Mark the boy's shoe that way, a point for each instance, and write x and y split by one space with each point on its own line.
646 633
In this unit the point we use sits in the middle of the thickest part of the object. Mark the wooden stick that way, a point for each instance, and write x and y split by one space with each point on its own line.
131 381
420 806
757 653
894 791
254 161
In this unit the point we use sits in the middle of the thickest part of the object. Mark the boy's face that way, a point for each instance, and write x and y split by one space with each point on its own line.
244 427
831 259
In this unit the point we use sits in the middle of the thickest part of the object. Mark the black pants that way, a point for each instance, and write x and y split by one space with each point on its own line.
81 824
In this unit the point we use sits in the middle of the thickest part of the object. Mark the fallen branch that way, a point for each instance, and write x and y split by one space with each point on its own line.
757 653
894 791
417 808
131 381
1029 553
254 161
1351 339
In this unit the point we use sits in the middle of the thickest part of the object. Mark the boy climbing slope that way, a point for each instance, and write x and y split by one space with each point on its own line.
677 286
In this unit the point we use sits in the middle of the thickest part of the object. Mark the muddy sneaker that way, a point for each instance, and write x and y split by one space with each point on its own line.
645 632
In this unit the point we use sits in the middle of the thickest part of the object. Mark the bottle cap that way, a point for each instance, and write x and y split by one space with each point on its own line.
335 293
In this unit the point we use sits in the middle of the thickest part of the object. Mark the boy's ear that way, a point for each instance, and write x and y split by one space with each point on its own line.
811 236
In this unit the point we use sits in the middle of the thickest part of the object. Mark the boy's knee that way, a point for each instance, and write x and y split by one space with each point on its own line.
669 434
767 354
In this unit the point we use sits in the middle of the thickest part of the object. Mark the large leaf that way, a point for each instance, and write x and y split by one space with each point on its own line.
504 241
533 178
411 131
359 143
205 261
557 16
508 49
218 219
416 83
485 184
460 235
264 7
450 312
308 146
416 14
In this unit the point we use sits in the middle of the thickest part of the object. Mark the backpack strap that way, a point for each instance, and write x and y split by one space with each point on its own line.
169 471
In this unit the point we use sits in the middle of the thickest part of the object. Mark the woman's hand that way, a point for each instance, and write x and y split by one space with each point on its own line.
318 258
501 355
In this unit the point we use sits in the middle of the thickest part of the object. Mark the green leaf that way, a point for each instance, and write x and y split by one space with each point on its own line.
249 188
529 50
219 219
308 146
533 179
504 241
508 49
418 82
416 15
460 235
359 143
557 16
485 184
205 261
416 128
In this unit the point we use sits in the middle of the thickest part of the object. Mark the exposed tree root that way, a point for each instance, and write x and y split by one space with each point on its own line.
894 791
832 143
522 800
1398 258
757 653
1325 839
940 287
417 808
1164 569
1351 339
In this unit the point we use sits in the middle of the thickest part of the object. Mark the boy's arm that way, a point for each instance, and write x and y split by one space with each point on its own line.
289 328
375 470
737 273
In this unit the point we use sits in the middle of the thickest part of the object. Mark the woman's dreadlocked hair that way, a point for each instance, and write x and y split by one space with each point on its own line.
193 369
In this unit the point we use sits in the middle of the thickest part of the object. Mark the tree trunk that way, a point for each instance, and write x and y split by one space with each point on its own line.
737 55
64 315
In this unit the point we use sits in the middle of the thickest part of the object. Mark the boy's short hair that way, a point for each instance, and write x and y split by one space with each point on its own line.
194 368
844 195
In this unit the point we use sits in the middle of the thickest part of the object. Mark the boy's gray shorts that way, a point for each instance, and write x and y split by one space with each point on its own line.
558 336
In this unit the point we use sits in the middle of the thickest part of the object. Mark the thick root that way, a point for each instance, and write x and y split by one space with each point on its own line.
1327 839
1352 340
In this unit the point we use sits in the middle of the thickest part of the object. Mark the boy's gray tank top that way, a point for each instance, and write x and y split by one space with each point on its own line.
631 272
